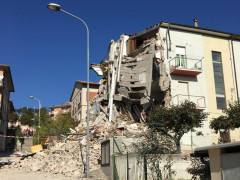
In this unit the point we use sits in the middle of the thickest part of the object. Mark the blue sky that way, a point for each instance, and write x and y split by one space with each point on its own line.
46 50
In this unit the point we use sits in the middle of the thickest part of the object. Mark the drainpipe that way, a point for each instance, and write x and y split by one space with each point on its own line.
168 41
235 71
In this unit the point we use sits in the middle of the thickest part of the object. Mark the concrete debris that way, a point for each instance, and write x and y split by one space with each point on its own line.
133 79
69 157
63 158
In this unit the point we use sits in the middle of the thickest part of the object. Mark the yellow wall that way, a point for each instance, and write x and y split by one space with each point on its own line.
220 45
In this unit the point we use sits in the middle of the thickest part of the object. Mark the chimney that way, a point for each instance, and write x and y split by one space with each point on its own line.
195 22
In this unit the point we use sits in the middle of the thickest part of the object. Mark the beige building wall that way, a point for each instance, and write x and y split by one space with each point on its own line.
219 45
79 105
59 111
92 93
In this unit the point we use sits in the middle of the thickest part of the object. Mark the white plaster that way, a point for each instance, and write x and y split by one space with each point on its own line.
197 85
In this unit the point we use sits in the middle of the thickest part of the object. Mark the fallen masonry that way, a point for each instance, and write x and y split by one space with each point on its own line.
133 79
68 158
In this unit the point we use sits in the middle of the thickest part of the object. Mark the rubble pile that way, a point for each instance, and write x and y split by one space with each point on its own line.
69 158
133 79
63 158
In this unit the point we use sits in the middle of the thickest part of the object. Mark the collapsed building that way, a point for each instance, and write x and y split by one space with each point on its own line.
164 64
135 76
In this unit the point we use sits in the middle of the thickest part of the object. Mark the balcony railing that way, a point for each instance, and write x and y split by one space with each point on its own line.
198 100
185 66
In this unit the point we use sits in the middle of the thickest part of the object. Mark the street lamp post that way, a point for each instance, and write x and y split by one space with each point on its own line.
39 111
56 7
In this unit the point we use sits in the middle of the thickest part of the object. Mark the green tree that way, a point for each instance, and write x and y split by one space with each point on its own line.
13 117
174 122
30 116
27 118
25 110
200 168
60 125
228 121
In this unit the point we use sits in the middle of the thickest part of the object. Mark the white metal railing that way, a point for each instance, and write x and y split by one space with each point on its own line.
180 98
185 63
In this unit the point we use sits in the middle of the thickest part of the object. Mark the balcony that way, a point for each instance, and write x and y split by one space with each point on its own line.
198 100
185 66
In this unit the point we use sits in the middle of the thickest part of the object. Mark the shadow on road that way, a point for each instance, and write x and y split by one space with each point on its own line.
5 153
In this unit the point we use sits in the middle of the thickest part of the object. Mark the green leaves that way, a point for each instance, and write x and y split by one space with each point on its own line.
176 121
50 127
27 119
12 117
229 121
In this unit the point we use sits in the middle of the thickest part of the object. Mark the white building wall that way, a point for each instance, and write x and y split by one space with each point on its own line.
197 85
124 38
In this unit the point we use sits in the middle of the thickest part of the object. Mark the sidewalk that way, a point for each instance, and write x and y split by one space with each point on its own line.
15 174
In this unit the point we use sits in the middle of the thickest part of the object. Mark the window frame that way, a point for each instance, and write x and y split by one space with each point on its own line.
105 153
218 105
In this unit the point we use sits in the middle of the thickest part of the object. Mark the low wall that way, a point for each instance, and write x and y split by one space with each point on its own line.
137 172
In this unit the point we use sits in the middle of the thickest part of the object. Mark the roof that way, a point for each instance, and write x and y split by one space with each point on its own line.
91 85
67 104
186 28
6 68
217 146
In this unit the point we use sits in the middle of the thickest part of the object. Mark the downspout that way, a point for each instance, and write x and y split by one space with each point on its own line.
168 40
235 71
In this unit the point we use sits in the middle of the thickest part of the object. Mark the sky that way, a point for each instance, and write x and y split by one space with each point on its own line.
46 50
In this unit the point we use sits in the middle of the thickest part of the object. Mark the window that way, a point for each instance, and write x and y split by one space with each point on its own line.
80 97
218 79
73 105
105 153
180 56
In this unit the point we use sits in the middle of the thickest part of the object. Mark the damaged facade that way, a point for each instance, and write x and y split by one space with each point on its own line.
165 64
133 77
